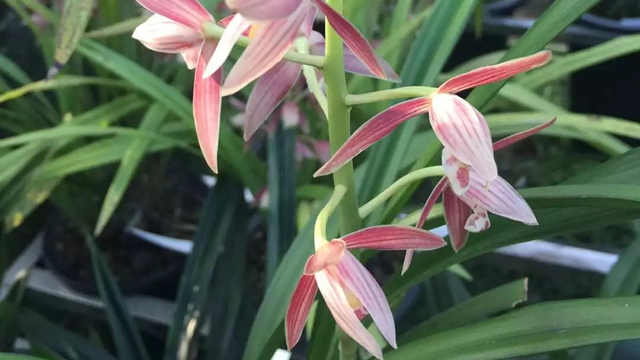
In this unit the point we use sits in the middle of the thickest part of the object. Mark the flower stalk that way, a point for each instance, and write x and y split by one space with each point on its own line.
391 94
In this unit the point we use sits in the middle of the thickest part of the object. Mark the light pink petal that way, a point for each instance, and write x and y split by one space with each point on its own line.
271 42
257 10
269 91
306 29
352 38
360 281
488 74
298 310
351 62
478 221
408 257
499 198
457 172
501 144
464 132
191 56
161 34
393 237
234 30
336 299
456 213
186 12
373 130
290 113
206 108
329 254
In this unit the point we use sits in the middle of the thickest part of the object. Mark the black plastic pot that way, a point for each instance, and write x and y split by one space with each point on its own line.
502 7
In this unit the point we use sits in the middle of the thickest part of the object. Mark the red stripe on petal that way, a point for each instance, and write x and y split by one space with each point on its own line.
501 144
373 130
433 197
206 107
186 12
489 74
393 237
352 38
363 285
271 88
298 310
456 213
161 34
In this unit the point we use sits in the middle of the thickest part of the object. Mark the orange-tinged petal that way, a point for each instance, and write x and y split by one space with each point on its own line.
393 237
489 74
456 213
206 108
329 254
186 12
298 310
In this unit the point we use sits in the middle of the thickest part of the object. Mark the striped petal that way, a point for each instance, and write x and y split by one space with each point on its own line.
456 171
489 74
478 221
191 56
271 42
162 34
269 91
464 132
186 12
373 130
393 237
298 310
257 10
237 26
364 286
336 300
206 108
352 38
456 213
501 144
499 198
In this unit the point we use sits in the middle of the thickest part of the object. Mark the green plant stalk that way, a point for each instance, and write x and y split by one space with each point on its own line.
339 131
391 94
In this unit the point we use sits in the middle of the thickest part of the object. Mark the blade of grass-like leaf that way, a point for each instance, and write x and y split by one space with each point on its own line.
130 161
534 329
124 27
13 71
5 356
75 18
223 221
59 83
125 334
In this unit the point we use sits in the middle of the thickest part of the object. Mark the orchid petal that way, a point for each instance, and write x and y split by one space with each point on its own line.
489 74
457 172
298 310
478 221
336 300
206 108
373 130
290 114
269 91
257 10
393 237
361 313
464 132
408 257
352 38
271 42
329 254
186 12
191 56
501 144
360 281
499 198
456 213
232 33
162 34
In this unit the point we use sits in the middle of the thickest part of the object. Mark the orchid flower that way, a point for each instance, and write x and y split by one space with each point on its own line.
468 211
176 28
457 124
348 288
272 26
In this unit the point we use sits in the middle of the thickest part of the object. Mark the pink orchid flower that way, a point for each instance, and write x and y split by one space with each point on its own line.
176 28
457 124
468 211
348 288
272 26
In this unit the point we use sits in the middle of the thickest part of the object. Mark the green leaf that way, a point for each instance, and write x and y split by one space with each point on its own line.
125 334
532 330
75 18
222 222
130 161
282 195
60 82
122 28
5 356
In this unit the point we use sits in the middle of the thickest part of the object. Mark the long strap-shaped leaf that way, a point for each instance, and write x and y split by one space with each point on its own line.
75 17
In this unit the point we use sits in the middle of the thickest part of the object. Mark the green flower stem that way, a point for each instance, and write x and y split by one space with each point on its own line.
391 94
368 208
302 46
213 31
320 228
